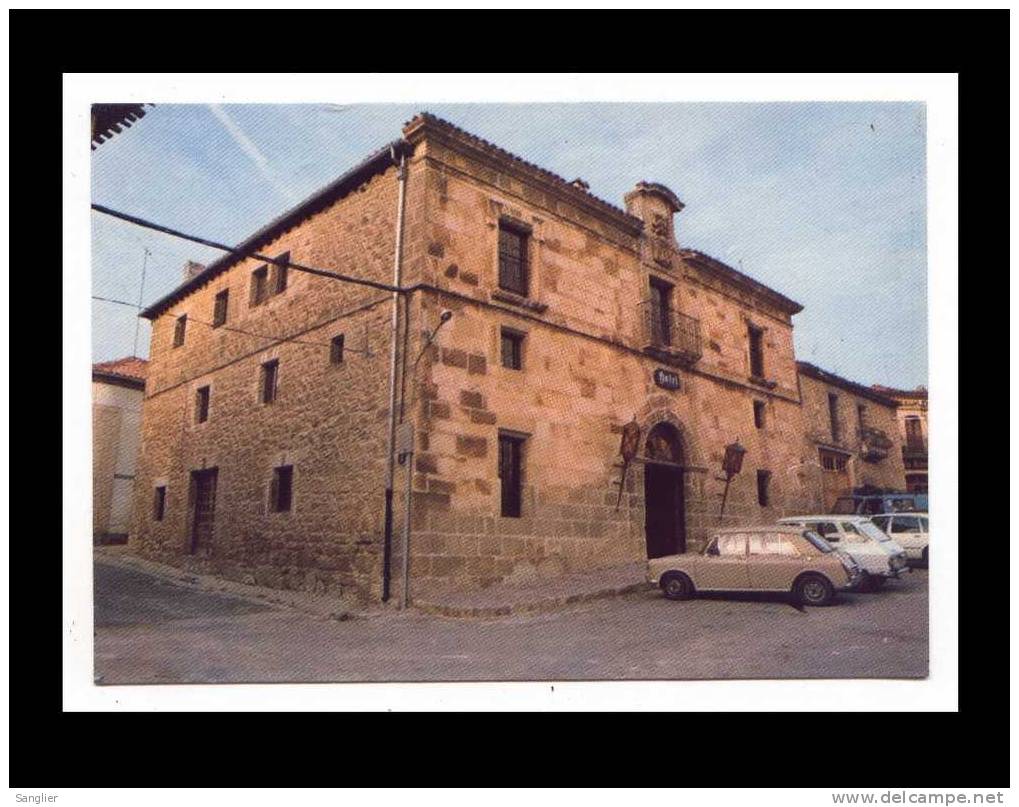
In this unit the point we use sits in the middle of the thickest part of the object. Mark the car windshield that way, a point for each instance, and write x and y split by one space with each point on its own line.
872 531
818 541
903 505
845 506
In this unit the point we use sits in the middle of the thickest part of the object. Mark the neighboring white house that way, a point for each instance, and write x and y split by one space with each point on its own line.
117 391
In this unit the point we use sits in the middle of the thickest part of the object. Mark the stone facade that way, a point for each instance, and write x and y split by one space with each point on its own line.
852 433
911 411
592 359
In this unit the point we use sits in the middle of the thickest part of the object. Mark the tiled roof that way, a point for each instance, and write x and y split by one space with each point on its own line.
740 279
919 392
130 369
808 369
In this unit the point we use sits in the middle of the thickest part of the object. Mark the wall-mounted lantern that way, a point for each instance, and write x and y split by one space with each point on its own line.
732 463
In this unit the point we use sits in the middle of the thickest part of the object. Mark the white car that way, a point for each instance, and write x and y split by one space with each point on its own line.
857 536
909 529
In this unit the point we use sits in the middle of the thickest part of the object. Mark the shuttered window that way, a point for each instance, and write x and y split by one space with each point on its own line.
279 271
270 371
202 404
512 259
336 349
510 467
763 483
178 330
512 348
259 286
159 503
219 310
756 339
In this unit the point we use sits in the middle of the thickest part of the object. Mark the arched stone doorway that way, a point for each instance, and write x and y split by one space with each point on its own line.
664 499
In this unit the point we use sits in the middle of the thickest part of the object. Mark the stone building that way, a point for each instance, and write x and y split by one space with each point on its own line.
852 431
912 416
267 416
117 391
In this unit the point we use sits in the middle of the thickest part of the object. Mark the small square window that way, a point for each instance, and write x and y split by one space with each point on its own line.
202 404
763 483
281 489
159 503
267 387
336 349
259 286
759 414
512 349
279 271
178 330
219 310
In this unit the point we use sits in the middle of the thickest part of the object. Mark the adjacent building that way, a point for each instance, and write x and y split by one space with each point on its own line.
117 391
266 415
911 407
852 432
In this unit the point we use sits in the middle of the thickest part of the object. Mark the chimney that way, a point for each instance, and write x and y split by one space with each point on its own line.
579 183
655 205
193 269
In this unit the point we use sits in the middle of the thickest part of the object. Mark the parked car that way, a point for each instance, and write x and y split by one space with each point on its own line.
879 556
772 558
877 503
909 529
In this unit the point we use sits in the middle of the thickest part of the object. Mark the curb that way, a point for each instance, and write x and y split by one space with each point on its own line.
543 605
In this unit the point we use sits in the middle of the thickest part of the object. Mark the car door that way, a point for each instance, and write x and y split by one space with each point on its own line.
773 562
723 566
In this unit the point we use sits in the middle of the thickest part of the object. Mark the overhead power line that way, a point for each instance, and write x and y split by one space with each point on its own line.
237 253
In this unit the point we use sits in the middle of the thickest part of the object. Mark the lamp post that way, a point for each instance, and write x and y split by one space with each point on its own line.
732 463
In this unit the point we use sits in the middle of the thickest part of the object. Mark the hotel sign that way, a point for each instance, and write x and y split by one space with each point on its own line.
666 379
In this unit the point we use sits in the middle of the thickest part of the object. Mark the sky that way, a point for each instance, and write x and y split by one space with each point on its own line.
823 202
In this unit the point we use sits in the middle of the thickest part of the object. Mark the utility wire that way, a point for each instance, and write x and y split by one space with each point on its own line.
237 253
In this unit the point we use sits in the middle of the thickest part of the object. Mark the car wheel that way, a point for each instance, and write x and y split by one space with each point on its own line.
676 585
875 582
814 589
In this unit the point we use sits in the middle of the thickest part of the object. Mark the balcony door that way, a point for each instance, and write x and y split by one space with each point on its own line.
661 305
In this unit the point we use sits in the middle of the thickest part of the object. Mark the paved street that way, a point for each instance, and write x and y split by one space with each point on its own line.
149 630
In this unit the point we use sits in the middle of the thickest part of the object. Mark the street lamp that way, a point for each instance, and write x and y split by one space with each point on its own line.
732 463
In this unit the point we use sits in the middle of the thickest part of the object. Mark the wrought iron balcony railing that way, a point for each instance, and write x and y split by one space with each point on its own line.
669 335
914 449
874 444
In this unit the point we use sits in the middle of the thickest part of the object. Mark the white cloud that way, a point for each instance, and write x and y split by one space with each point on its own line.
251 150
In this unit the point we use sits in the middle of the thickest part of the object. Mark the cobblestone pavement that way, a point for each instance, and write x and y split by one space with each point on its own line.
150 630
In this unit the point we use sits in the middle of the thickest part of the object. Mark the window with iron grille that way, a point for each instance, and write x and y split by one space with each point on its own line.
763 482
202 404
759 414
178 330
513 259
755 337
510 477
279 271
259 286
512 347
281 489
159 503
336 349
219 310
833 416
270 371
914 433
832 461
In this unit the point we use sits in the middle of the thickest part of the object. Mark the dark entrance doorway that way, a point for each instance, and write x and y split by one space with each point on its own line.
203 509
664 512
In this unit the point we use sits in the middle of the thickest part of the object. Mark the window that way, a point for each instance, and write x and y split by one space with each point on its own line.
826 529
159 503
259 286
905 524
512 344
833 416
510 456
281 489
279 271
336 349
833 461
513 259
914 433
661 310
219 312
202 404
178 330
755 336
861 416
759 414
268 381
772 545
728 546
763 480
882 522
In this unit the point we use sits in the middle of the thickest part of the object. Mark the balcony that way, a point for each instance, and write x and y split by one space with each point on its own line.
915 449
668 335
874 444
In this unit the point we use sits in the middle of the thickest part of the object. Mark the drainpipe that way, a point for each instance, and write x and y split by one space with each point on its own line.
387 540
